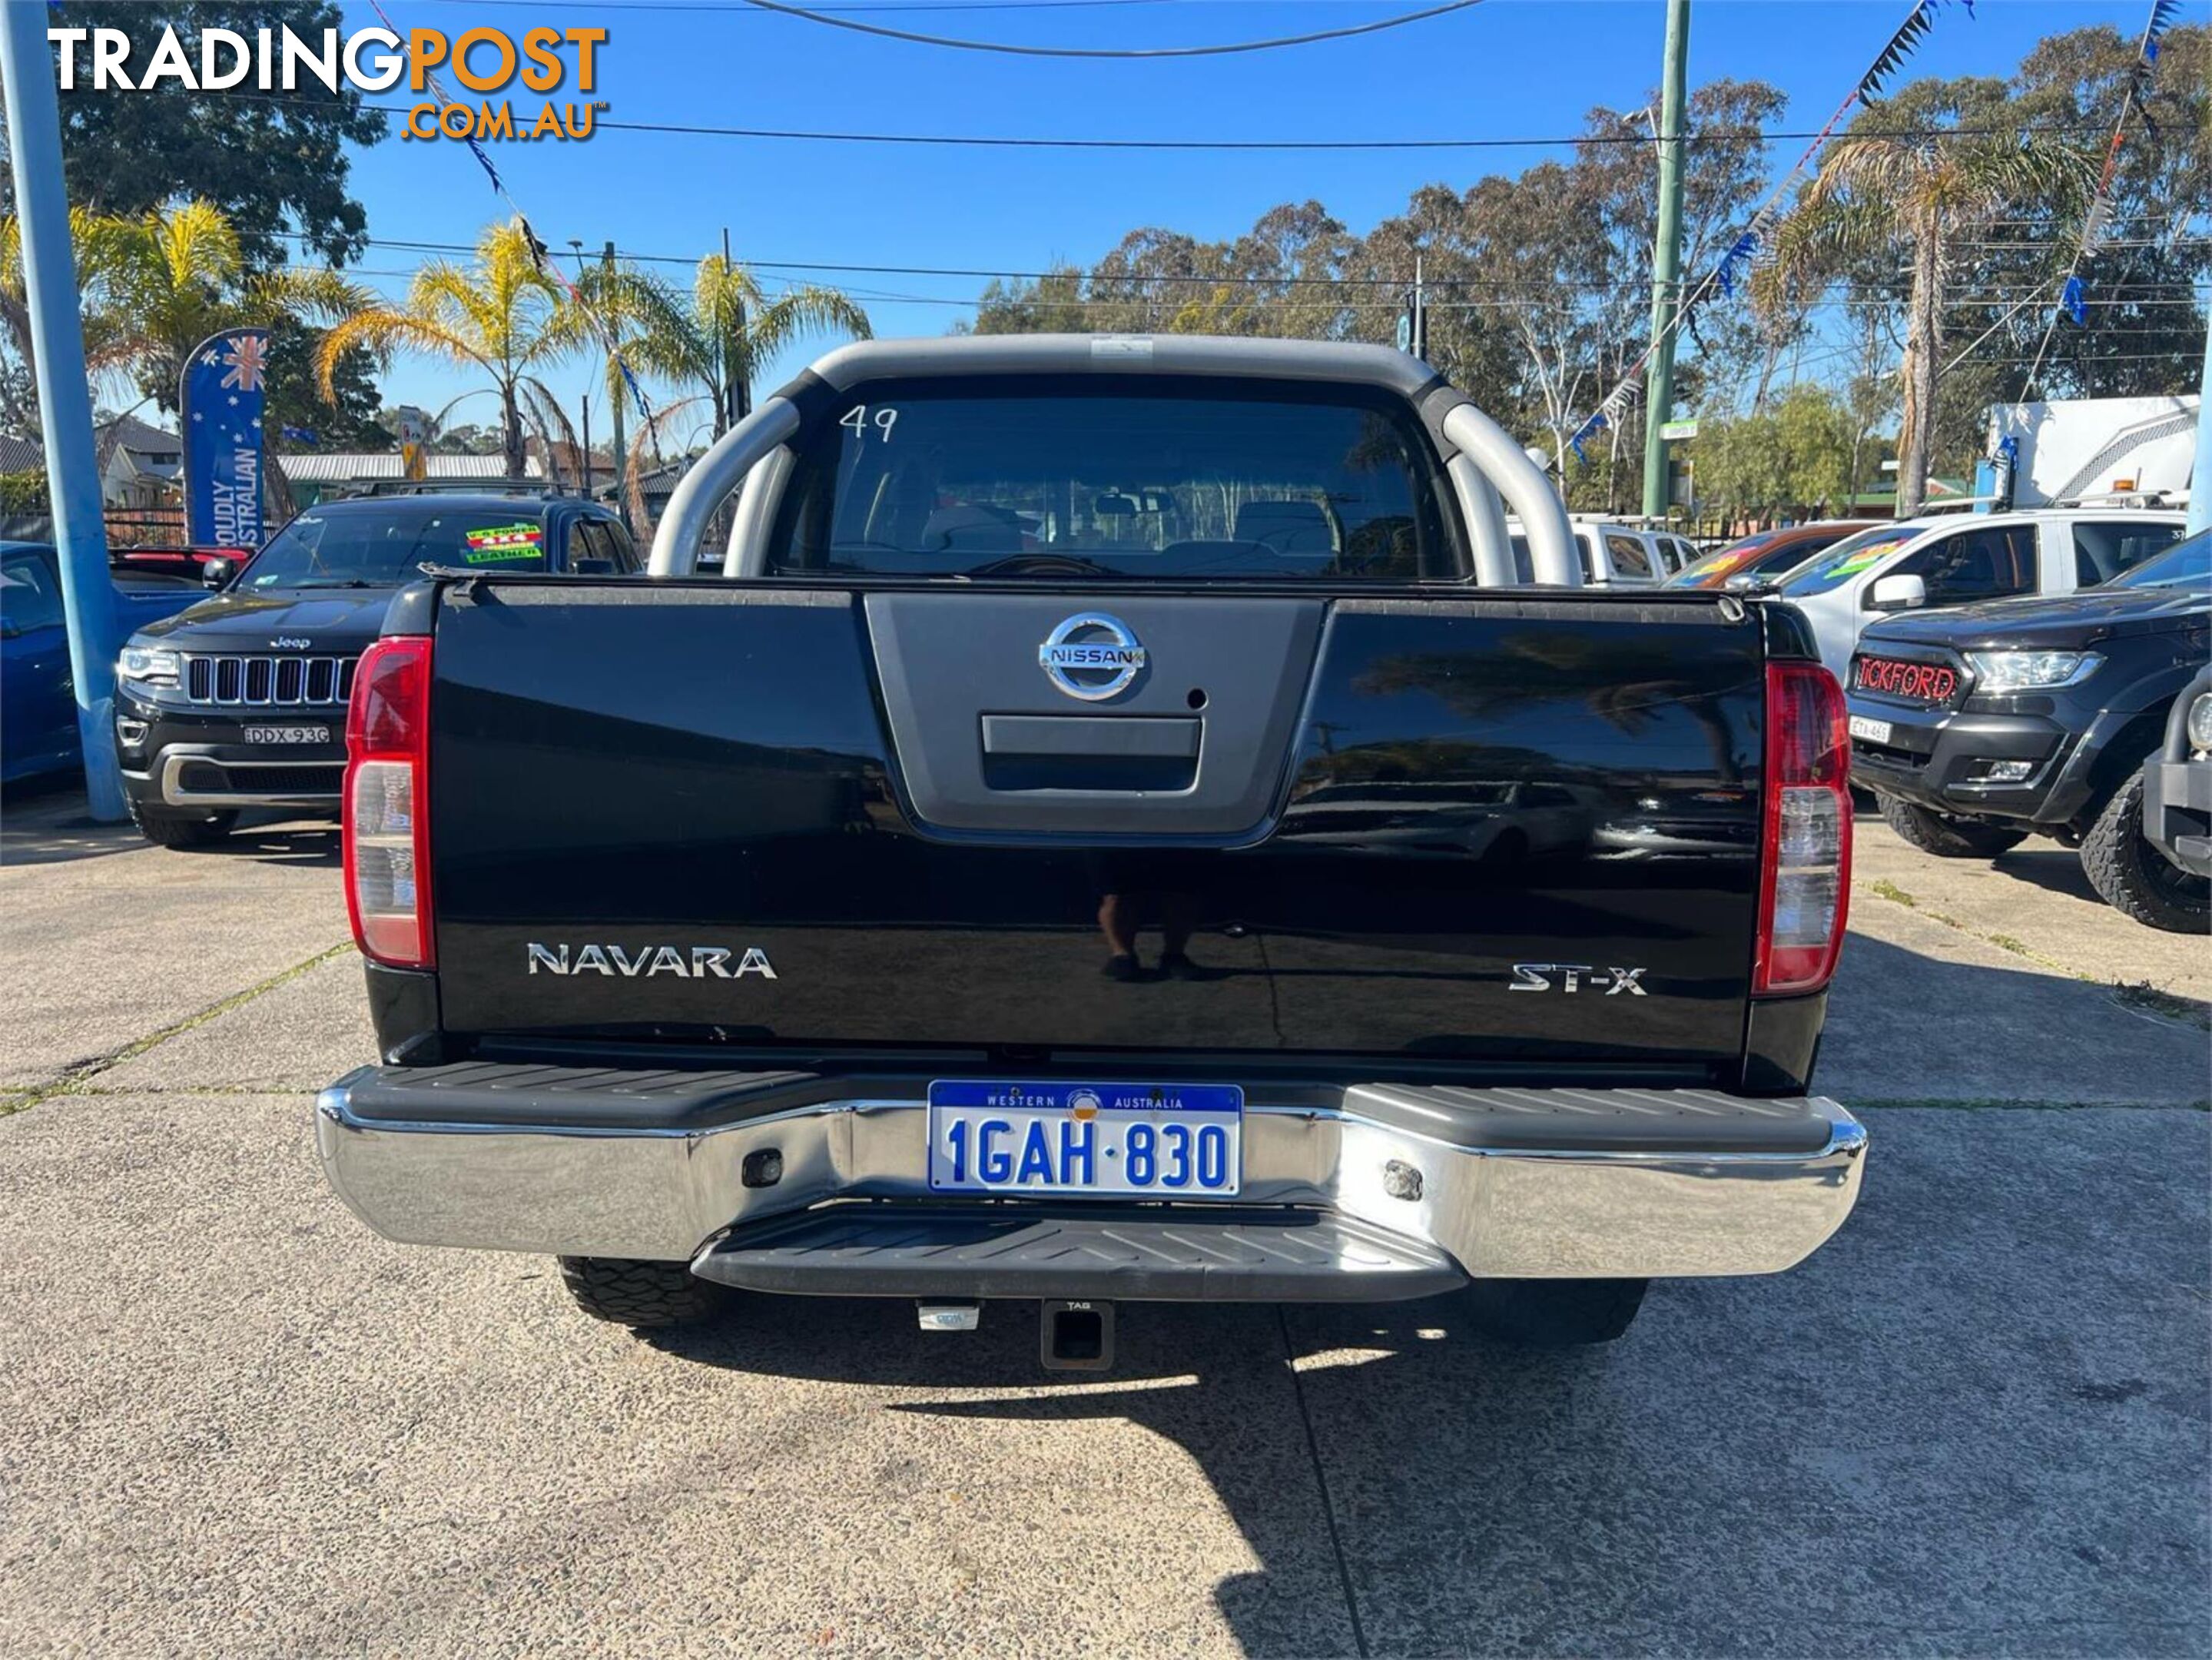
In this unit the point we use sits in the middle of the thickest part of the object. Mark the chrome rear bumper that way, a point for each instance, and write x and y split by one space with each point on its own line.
1529 1183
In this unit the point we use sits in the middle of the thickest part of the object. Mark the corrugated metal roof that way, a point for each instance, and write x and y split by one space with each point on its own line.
21 455
345 467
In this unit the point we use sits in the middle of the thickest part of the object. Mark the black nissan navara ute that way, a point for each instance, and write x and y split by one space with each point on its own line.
240 702
1114 829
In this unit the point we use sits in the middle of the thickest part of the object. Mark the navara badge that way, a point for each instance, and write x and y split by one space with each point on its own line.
1092 656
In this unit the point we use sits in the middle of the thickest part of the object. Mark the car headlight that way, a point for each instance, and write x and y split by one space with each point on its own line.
147 666
2200 722
2031 671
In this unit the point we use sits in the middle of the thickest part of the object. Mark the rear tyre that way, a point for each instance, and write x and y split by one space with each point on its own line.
1552 1314
2134 878
181 829
1945 837
638 1294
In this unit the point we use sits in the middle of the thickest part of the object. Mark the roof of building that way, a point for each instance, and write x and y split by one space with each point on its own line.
128 432
345 467
21 455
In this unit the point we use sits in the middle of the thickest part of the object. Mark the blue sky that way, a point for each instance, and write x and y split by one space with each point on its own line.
1508 68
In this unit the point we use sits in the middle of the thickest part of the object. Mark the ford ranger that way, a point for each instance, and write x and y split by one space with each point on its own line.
1111 829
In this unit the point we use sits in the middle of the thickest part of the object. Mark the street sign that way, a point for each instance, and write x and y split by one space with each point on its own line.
1674 431
1405 333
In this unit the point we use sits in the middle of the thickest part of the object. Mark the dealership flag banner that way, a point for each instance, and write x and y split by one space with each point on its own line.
220 395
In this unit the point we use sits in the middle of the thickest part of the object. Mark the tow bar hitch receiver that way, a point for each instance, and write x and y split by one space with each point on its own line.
1076 1336
948 1316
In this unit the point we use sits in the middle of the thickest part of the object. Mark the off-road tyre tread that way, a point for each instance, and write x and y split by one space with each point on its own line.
1946 837
2116 858
638 1294
1552 1314
172 830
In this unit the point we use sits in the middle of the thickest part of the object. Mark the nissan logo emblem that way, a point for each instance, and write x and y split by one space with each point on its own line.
1091 656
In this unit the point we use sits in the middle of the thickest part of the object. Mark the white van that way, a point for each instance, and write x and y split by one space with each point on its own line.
1954 559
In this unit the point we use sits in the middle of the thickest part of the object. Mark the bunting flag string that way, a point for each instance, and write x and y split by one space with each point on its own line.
1754 241
2073 289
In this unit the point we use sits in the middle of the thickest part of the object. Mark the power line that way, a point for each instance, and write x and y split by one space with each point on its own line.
978 141
743 9
1315 38
1504 285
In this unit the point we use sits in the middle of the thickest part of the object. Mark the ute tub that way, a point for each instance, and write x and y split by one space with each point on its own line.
1454 1181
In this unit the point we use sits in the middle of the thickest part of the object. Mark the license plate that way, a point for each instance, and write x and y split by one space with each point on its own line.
288 734
1874 732
1159 1141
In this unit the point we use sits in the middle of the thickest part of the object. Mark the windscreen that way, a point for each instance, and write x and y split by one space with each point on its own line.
382 546
1044 476
1849 557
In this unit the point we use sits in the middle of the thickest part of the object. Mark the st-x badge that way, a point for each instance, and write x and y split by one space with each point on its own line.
1574 977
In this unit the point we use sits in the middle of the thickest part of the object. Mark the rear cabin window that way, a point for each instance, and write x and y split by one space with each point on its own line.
2104 550
1147 480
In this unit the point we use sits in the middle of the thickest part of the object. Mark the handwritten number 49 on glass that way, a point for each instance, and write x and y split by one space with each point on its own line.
857 418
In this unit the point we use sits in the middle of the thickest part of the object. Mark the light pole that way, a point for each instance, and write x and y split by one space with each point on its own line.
35 143
1666 260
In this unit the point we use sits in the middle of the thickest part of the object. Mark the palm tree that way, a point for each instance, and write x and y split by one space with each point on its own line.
503 315
1915 197
154 285
717 337
174 276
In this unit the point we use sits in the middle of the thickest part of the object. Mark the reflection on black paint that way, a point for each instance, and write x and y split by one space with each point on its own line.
1466 792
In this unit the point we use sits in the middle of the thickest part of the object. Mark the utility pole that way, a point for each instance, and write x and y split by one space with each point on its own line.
1666 260
34 144
588 446
2200 479
622 454
736 380
1420 312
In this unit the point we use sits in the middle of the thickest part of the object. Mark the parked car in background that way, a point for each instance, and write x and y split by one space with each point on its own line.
1948 560
1772 553
38 703
1977 726
240 701
208 566
1615 555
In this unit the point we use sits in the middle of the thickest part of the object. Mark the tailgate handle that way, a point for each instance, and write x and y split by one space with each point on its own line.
1101 736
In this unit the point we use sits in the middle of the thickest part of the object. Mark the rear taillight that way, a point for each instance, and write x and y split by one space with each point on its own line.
387 828
1805 866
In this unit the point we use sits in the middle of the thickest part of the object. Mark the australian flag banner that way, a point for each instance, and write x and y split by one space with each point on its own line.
220 396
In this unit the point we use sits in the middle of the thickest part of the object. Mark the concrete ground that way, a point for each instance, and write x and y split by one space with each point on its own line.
235 1421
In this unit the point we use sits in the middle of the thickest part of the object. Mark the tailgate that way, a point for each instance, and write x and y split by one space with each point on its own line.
1493 829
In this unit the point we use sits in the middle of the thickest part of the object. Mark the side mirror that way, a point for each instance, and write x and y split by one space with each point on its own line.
589 566
217 573
1897 594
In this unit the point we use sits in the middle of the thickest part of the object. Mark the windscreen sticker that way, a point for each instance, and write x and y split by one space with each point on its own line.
1865 556
496 545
